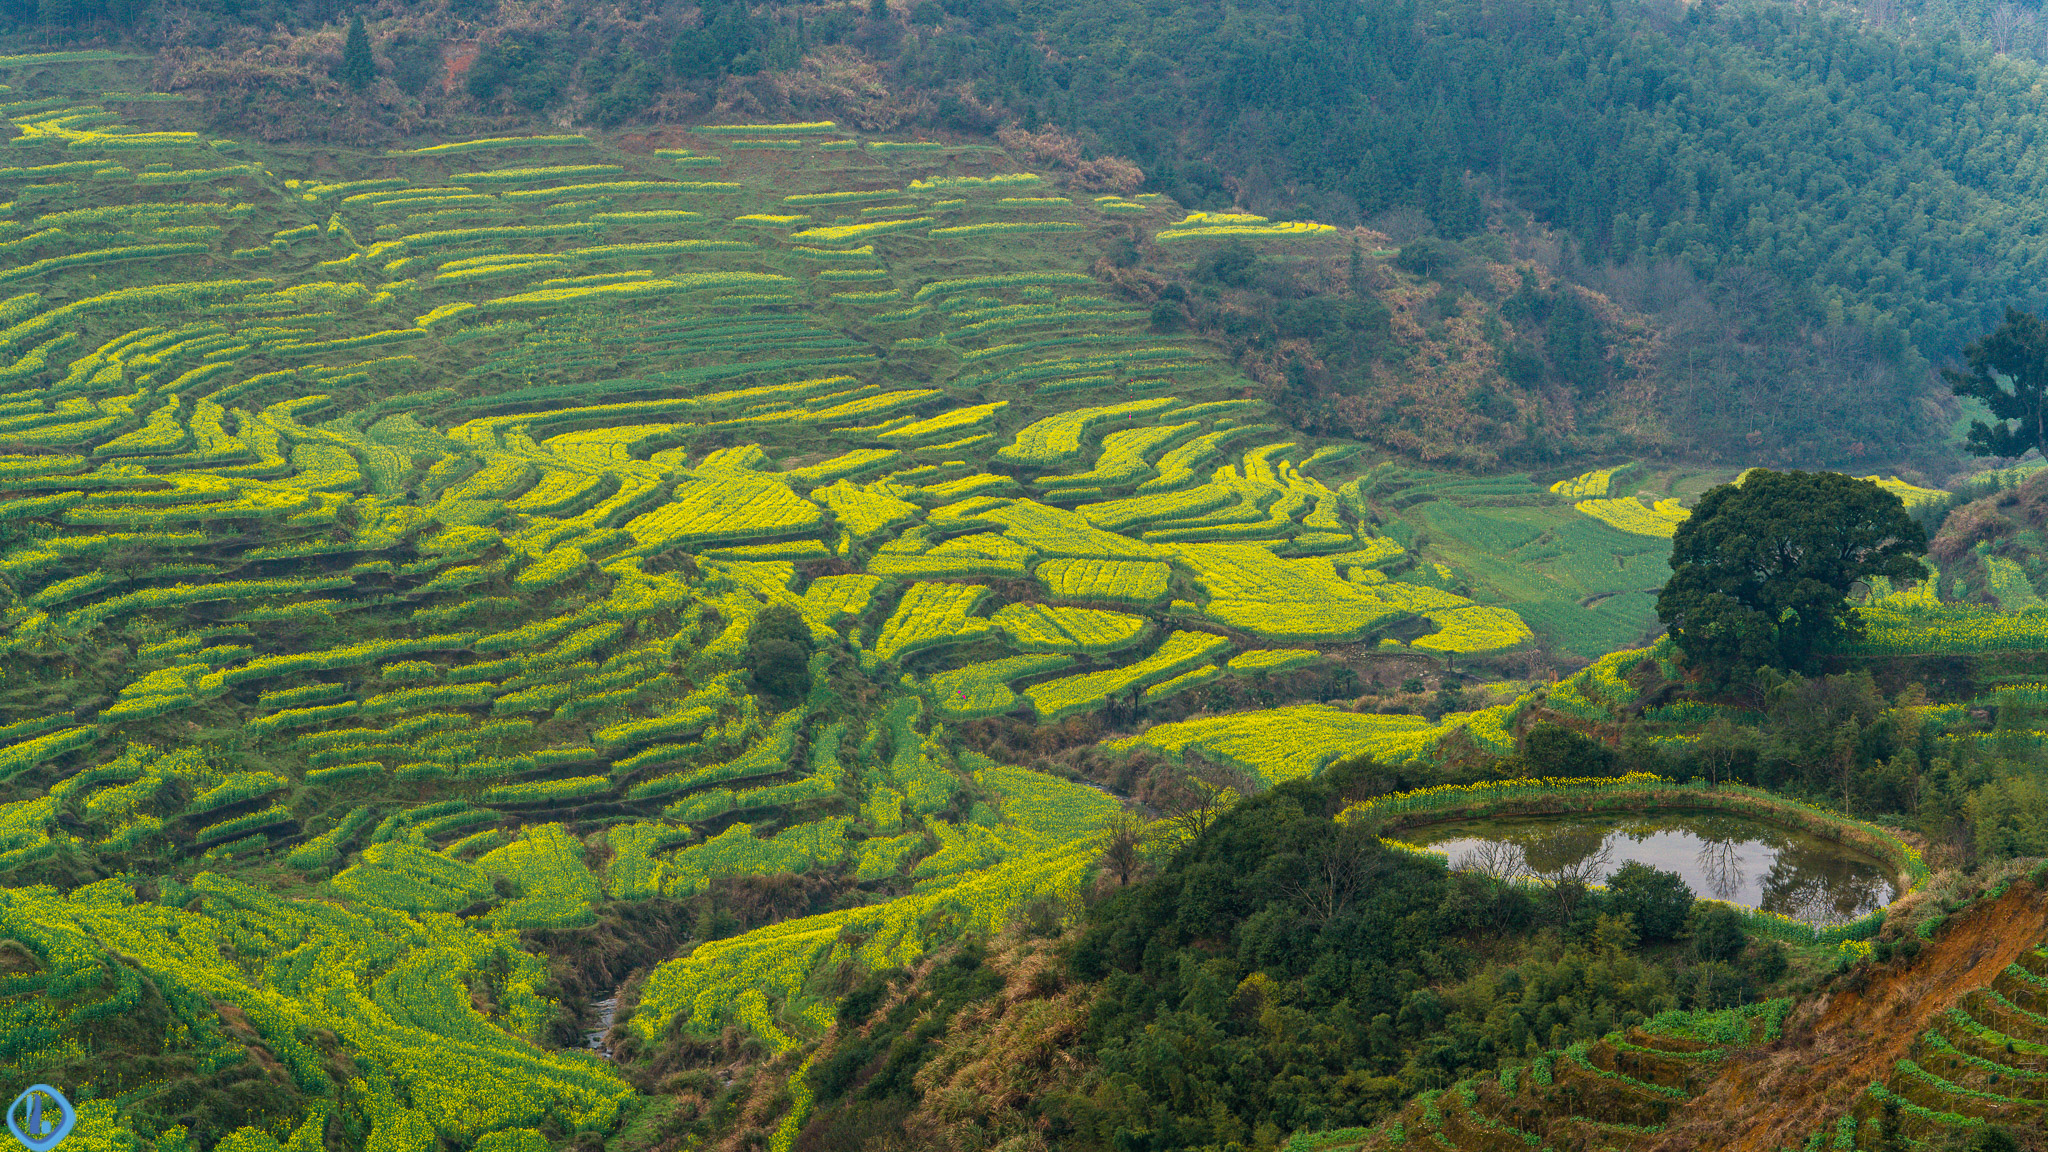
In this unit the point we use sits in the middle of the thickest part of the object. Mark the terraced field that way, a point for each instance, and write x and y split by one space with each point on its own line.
1981 1062
1614 1093
383 536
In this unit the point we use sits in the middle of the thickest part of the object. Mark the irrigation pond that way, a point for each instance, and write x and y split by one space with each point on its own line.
1722 857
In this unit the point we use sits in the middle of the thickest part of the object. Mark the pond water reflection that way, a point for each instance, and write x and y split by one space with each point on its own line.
1723 857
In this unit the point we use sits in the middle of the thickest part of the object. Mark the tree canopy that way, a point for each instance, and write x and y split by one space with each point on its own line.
1762 569
2015 355
1657 902
779 646
358 68
1554 750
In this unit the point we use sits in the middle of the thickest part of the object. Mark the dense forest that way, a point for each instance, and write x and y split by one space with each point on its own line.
1798 196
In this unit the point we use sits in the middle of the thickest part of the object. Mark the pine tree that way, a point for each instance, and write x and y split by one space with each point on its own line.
357 68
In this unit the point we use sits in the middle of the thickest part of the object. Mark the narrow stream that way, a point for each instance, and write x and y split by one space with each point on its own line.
607 1009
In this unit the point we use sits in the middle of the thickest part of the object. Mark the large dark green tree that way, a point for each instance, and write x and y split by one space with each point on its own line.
779 646
357 69
1761 570
2009 373
1657 901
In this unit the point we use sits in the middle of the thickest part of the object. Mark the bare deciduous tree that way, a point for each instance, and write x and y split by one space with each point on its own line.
1719 749
1720 867
1333 871
2008 23
1193 799
1122 842
1569 879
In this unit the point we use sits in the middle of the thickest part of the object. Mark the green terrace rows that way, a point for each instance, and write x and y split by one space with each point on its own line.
1982 1063
405 535
1612 1093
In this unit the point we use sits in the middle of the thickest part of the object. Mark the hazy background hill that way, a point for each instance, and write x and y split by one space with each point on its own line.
1812 205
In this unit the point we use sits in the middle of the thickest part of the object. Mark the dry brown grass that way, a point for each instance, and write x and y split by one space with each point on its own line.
1000 1054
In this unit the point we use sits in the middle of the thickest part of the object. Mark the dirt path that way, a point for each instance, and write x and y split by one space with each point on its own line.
456 57
1836 1046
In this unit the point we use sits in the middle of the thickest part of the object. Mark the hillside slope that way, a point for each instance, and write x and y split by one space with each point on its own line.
412 557
1842 1042
1635 134
1928 1047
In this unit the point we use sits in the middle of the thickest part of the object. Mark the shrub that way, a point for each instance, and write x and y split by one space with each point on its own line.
780 668
1554 750
1658 901
1717 933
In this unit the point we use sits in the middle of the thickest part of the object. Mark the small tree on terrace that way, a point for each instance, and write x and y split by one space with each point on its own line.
1123 845
1761 571
1554 750
779 648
